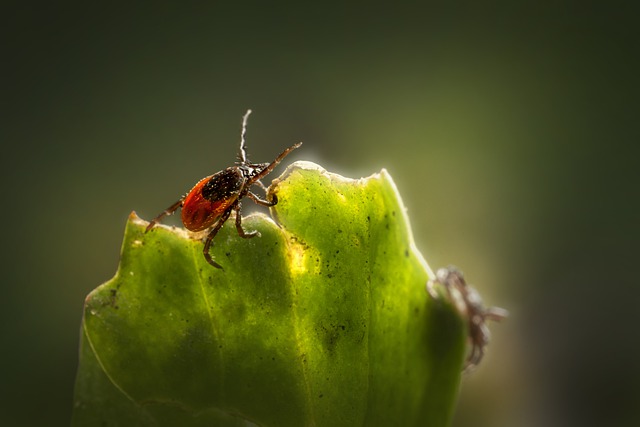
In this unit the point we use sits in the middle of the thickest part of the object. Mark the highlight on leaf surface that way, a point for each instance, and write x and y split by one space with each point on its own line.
323 320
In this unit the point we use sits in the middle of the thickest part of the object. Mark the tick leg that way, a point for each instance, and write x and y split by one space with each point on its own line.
171 209
261 185
273 164
242 154
274 198
241 232
496 314
212 234
262 202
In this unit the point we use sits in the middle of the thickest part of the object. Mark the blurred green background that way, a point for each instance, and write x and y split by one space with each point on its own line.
510 129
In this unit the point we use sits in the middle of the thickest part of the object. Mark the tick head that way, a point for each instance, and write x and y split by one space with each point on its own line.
251 170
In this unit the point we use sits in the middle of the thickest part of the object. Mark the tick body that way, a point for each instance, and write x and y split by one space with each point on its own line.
211 201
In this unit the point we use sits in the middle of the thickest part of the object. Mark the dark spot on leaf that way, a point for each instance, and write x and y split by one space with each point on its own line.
320 396
406 253
113 298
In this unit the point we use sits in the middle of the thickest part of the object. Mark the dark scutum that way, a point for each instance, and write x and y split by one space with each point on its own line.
223 185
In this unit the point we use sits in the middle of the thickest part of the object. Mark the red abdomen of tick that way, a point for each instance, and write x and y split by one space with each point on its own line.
210 198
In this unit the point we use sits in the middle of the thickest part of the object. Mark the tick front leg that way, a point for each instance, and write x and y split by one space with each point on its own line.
261 185
212 234
278 159
241 232
263 202
171 209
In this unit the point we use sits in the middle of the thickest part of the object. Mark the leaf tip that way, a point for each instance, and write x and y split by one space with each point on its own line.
135 219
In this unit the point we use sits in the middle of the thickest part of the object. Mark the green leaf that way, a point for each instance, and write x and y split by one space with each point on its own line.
323 320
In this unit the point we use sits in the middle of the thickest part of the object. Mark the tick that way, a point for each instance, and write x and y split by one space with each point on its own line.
210 202
470 306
